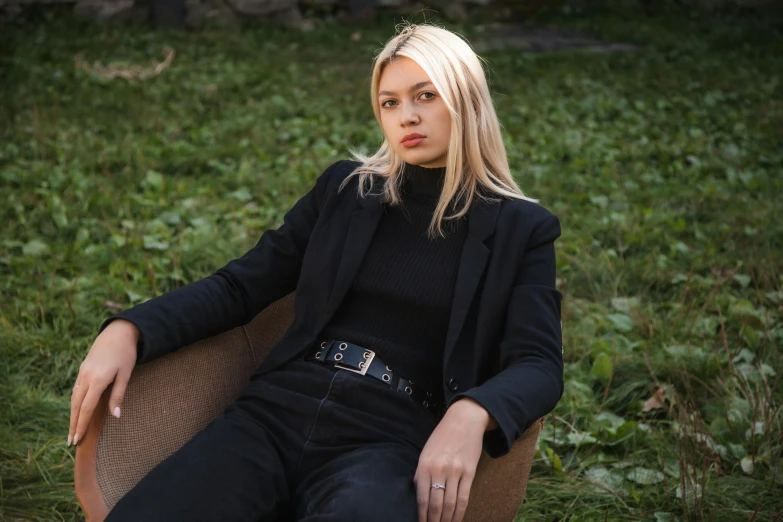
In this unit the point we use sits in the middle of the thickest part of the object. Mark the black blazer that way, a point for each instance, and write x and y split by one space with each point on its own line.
504 341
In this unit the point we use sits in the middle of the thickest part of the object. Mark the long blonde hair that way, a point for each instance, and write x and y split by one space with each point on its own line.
476 164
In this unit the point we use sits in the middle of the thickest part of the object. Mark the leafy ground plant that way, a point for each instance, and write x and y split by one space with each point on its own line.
664 166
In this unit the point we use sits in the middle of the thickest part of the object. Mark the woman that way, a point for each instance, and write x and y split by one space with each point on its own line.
419 337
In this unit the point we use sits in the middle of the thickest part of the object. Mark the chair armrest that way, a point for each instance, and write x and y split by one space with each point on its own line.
499 486
167 402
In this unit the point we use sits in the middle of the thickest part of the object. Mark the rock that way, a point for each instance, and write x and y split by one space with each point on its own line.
9 11
455 11
102 11
199 12
716 4
292 19
361 11
167 13
261 7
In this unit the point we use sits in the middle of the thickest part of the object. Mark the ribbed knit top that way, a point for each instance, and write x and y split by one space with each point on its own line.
400 301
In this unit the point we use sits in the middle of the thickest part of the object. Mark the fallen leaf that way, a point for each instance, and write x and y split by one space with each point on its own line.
747 465
111 305
655 402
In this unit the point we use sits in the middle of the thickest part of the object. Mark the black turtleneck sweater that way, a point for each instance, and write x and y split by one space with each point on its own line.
400 301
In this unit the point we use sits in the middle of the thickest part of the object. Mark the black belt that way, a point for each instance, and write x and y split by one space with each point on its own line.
364 361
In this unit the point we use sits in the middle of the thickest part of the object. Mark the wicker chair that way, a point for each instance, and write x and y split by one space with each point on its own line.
201 380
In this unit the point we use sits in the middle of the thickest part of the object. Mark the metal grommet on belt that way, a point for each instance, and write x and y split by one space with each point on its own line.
364 361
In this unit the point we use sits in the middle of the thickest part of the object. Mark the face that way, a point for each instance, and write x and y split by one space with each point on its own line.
414 117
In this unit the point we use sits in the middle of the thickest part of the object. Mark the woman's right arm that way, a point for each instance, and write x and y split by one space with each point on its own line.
230 297
234 294
110 359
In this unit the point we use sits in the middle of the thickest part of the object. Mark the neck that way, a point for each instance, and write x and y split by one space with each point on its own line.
423 181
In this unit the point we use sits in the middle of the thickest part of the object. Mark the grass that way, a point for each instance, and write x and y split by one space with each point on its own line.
664 166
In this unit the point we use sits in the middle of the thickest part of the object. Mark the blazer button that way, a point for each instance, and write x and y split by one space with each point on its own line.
453 385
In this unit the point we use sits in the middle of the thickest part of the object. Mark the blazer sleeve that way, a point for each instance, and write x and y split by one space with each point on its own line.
234 294
530 383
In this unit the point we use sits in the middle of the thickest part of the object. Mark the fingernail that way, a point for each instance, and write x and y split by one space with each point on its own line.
69 441
117 411
76 439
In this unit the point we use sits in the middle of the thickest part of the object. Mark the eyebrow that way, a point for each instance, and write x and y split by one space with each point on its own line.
415 87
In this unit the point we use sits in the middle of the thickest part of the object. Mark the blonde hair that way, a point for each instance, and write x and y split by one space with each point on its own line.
476 164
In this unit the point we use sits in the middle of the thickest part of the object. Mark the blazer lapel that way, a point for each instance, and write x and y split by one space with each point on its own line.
473 259
361 228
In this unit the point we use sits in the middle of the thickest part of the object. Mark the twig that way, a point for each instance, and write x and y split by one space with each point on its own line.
130 73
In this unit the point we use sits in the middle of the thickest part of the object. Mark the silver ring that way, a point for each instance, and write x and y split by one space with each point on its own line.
438 486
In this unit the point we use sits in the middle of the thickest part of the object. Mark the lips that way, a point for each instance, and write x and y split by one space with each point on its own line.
413 139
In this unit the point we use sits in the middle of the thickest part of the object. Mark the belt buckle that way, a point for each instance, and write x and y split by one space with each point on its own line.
362 364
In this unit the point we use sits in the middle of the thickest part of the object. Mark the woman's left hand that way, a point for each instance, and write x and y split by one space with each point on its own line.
450 458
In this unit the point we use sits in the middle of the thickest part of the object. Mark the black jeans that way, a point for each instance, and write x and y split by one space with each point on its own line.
305 442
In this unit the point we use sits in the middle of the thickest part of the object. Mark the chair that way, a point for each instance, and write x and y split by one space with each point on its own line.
200 381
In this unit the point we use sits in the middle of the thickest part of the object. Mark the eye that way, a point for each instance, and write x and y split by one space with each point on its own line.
385 102
428 92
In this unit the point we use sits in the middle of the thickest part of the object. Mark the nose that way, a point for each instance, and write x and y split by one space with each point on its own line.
408 114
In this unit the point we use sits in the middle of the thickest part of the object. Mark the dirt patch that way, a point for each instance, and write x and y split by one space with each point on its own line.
540 39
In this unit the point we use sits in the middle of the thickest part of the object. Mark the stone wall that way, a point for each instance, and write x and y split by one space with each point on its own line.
285 12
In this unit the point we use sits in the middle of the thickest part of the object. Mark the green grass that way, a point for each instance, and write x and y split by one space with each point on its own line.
664 166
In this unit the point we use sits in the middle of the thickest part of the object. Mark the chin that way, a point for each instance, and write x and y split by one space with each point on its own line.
418 159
